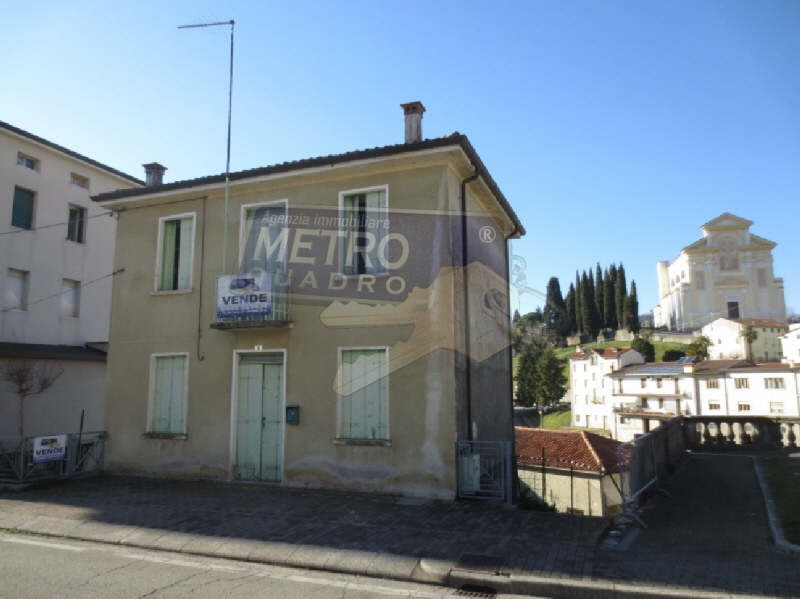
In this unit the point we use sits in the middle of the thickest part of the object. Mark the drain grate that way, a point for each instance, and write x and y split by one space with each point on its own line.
476 591
475 562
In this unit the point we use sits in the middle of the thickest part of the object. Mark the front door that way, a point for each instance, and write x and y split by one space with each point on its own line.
733 309
259 422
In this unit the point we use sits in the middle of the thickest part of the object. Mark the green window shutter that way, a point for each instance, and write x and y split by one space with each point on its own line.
169 401
22 211
364 412
168 255
185 253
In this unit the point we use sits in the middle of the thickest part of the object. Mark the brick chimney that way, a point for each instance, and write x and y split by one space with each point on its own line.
413 112
154 173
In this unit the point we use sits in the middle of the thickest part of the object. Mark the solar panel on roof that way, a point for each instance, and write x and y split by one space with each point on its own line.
685 360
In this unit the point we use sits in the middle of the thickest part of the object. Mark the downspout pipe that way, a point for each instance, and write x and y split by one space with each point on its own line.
465 293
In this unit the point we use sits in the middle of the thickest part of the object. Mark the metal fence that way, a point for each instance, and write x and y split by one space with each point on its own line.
83 457
484 470
647 461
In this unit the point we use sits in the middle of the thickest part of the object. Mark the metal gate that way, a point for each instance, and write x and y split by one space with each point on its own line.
484 470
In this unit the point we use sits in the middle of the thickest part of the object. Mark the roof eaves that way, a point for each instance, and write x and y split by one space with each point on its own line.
455 139
68 152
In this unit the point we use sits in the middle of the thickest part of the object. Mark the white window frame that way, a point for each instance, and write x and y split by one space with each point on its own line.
359 441
712 383
714 405
776 407
75 287
744 406
152 394
79 181
160 251
23 305
79 228
384 272
23 158
243 226
774 382
741 382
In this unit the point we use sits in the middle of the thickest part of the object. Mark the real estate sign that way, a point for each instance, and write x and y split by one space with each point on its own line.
49 449
247 294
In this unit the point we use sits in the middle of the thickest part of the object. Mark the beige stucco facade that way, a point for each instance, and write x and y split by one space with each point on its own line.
729 272
445 353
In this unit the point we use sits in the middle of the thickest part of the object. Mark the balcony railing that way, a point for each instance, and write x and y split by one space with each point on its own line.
251 302
737 432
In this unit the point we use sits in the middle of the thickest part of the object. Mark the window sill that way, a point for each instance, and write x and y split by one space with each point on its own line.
170 436
364 442
175 292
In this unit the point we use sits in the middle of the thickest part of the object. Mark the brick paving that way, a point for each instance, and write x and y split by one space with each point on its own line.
711 535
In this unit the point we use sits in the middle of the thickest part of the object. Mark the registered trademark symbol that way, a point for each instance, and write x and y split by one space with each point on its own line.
487 234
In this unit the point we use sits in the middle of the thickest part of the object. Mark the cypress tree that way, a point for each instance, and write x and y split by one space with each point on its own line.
555 310
599 295
621 294
579 326
609 307
632 302
570 301
588 310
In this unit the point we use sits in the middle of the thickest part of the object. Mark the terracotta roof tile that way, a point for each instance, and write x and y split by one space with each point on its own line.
580 450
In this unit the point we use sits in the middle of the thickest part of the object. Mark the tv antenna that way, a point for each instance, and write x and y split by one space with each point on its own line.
228 157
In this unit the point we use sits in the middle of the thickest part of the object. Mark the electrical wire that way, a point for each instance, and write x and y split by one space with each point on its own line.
81 286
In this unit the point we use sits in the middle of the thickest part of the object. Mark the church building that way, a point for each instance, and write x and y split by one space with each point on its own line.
727 273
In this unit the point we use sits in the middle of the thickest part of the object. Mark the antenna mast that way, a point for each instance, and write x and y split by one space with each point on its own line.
228 156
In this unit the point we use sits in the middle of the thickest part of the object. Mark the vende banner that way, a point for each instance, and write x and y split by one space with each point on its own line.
49 449
244 295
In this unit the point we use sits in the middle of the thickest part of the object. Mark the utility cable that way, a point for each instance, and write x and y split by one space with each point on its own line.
82 285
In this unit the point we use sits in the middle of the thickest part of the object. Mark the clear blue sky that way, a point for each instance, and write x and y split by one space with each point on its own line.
615 129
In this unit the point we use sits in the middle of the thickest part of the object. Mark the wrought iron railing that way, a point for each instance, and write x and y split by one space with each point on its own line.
84 456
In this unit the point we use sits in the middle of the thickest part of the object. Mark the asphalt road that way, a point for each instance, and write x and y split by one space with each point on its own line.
34 567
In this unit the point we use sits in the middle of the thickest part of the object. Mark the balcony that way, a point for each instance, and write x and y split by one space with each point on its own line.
246 302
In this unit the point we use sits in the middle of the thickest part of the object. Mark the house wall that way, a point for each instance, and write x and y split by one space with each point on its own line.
423 391
728 343
58 410
576 491
790 345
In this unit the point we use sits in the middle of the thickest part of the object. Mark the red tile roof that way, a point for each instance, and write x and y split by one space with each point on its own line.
564 449
756 322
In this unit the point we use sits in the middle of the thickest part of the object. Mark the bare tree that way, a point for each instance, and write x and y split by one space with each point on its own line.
27 376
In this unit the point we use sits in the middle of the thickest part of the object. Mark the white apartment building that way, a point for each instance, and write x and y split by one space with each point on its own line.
791 345
726 273
726 336
644 395
56 265
590 389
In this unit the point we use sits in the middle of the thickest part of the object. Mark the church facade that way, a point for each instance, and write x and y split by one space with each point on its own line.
728 273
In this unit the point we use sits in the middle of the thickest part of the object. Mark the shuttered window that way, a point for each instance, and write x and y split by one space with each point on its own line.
363 226
169 394
22 211
364 403
177 240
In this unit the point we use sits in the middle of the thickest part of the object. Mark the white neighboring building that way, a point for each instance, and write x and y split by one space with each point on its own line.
726 336
56 260
726 273
791 345
590 390
645 395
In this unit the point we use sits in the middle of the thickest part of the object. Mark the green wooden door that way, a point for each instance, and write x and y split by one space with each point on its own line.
259 430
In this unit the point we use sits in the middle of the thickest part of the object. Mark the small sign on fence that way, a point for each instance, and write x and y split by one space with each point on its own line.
49 449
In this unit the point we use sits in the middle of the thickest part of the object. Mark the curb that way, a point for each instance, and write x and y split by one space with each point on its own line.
772 515
379 565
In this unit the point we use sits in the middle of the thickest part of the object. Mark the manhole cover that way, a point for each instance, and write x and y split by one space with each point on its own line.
474 562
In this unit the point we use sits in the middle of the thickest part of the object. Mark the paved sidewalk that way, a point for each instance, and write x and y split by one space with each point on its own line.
711 539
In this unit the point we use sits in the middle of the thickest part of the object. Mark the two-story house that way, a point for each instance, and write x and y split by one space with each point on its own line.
56 267
728 342
340 321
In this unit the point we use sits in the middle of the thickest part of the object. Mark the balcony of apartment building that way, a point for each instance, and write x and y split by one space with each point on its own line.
254 300
655 406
